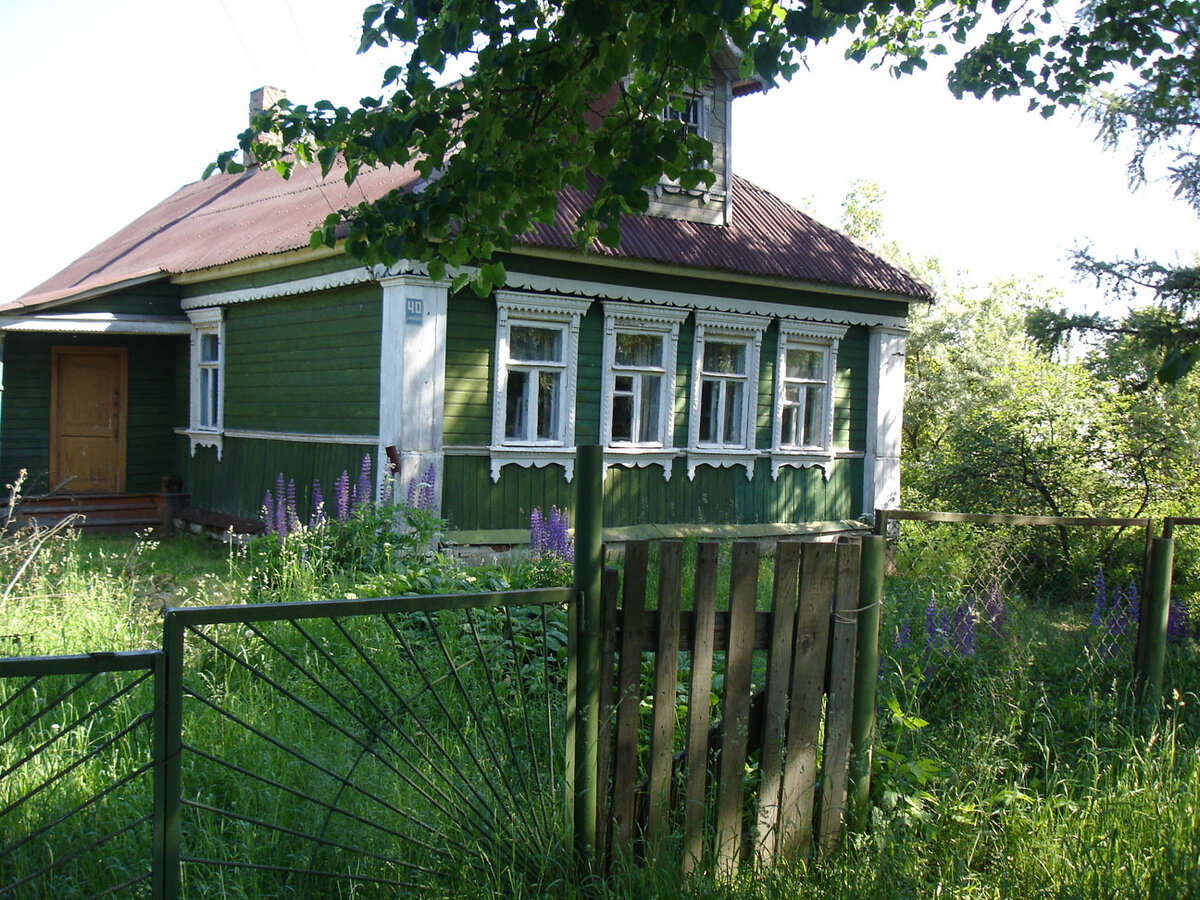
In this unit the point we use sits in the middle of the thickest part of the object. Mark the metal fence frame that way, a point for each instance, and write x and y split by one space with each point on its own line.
166 668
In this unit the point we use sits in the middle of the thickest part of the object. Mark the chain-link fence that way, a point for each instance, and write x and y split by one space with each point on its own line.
1001 615
1183 617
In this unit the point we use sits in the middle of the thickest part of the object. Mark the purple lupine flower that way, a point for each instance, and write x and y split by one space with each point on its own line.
931 620
994 609
536 533
269 512
362 488
411 500
341 496
428 492
292 515
281 512
1100 607
1131 601
944 632
964 630
317 516
903 636
1178 621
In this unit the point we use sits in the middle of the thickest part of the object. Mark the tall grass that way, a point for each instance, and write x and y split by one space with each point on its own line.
1011 780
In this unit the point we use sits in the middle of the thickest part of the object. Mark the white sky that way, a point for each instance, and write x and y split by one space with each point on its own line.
112 106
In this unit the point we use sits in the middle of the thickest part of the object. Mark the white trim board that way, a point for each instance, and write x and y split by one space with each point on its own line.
98 323
296 437
345 278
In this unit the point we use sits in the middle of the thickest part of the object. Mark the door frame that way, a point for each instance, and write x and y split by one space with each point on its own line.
121 354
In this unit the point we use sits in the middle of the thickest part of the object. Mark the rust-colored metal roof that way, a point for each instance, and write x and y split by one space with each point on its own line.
229 218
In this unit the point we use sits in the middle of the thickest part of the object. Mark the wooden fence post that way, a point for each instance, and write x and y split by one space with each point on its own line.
589 566
1154 625
866 677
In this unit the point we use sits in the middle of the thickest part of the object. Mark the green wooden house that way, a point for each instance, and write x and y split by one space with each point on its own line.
741 364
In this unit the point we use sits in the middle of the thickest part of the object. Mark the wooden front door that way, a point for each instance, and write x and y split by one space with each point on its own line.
87 419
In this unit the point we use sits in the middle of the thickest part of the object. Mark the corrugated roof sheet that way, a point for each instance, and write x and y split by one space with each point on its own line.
229 218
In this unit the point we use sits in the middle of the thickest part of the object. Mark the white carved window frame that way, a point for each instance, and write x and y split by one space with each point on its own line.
537 311
704 97
635 318
825 339
732 328
206 323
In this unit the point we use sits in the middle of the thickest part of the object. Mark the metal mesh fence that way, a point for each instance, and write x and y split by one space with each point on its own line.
1001 615
76 776
1183 619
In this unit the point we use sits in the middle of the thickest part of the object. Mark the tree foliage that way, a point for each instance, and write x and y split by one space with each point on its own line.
568 94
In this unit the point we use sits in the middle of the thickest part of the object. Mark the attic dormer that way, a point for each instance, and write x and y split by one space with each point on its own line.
706 110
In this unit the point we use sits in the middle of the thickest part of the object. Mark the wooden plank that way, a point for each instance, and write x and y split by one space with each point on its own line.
610 588
699 697
646 638
743 594
629 688
817 573
779 665
666 680
997 519
839 707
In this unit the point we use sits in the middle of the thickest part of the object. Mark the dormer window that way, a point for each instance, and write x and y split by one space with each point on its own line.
688 109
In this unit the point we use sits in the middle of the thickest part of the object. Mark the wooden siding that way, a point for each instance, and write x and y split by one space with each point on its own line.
158 298
642 497
153 406
249 468
470 349
305 364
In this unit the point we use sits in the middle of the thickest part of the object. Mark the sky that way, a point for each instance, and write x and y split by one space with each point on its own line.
111 107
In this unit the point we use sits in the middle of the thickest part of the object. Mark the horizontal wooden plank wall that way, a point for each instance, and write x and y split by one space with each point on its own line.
696 786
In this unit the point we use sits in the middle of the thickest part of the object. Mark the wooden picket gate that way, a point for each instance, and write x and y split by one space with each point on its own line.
786 705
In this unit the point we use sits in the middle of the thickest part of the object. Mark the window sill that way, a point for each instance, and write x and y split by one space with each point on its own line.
718 458
198 437
533 456
802 459
642 457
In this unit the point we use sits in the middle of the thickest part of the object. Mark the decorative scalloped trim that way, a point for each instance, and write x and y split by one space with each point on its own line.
641 459
504 456
722 460
785 460
325 282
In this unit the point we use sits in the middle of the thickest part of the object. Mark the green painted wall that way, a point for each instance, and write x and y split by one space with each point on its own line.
642 496
154 399
305 364
154 298
249 468
262 278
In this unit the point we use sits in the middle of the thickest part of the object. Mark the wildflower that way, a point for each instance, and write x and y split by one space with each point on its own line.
428 492
317 516
362 489
1100 606
341 496
903 636
269 512
964 630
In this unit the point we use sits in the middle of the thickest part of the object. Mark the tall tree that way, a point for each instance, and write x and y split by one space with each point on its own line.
568 93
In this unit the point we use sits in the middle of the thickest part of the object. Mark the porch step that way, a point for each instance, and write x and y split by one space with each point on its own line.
102 512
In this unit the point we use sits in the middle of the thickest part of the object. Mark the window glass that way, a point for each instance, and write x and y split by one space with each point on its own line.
517 397
640 350
805 364
530 344
724 357
548 405
734 418
209 348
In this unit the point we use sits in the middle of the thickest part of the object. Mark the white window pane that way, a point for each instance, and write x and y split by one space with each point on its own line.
622 418
640 350
724 358
548 406
516 426
806 364
209 348
790 418
529 344
709 410
812 416
734 422
648 427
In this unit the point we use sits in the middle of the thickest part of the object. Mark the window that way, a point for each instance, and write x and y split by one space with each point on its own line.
207 379
637 424
688 109
533 417
804 373
724 390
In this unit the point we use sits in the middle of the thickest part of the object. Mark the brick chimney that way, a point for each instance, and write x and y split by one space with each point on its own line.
263 99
